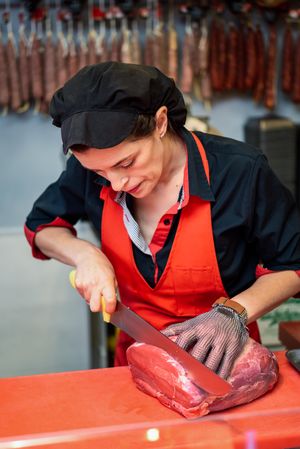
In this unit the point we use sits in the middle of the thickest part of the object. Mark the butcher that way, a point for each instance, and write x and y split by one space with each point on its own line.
198 236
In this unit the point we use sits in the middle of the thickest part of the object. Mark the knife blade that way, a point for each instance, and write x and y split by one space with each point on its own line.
143 332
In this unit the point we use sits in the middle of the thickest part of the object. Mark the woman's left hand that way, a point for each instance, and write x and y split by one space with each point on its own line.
215 338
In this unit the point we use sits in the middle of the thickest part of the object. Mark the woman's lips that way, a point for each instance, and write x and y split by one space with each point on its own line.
135 189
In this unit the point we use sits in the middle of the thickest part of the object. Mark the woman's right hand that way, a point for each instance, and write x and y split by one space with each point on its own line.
95 277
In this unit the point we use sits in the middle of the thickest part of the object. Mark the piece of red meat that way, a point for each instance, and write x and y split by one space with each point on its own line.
156 373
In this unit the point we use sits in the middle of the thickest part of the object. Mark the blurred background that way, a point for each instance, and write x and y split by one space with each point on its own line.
238 65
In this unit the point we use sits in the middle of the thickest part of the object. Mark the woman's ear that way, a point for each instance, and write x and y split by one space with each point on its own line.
161 118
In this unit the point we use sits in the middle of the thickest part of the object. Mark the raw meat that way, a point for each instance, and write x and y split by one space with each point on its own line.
156 373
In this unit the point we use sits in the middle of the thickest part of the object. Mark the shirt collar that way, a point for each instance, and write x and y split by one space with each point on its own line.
198 183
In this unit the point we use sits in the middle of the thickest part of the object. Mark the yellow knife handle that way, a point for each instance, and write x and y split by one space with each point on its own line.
106 316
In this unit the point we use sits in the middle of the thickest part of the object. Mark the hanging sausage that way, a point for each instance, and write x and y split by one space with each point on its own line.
4 88
205 85
251 58
102 41
72 60
149 36
232 61
218 52
296 79
61 51
92 36
125 52
270 86
135 43
172 67
23 65
50 82
159 41
187 61
259 86
241 58
287 66
12 66
82 50
36 60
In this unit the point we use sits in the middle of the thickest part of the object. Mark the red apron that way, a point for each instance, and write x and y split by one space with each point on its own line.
191 280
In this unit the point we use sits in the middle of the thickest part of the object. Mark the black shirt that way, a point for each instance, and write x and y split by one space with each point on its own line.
254 217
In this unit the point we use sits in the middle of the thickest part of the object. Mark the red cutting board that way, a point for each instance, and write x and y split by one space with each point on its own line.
104 406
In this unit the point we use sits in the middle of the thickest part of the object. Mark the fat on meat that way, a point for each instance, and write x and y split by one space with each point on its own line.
156 373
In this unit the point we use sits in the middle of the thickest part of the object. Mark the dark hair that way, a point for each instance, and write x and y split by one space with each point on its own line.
145 125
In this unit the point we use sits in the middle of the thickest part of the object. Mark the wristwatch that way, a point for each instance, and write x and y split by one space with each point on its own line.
238 308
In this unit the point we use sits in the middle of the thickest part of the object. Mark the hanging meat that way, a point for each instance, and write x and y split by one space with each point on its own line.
72 61
92 35
125 52
61 57
82 51
270 86
50 82
203 50
135 44
149 44
4 88
251 58
102 43
12 68
114 42
217 46
172 45
241 59
92 47
36 73
196 90
160 43
23 66
296 80
287 65
260 78
114 13
232 58
187 59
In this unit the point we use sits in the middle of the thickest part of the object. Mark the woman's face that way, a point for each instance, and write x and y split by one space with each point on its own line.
135 167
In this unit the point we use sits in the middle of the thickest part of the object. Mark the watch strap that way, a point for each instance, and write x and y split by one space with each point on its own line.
238 308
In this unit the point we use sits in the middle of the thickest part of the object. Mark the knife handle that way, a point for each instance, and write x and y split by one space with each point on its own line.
106 316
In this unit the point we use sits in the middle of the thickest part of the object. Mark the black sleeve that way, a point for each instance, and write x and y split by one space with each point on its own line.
65 198
274 221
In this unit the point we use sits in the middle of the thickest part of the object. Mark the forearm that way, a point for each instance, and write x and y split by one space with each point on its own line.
59 243
268 292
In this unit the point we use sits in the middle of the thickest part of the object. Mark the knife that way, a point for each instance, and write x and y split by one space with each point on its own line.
142 332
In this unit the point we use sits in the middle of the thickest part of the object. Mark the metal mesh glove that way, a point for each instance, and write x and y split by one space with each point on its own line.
215 338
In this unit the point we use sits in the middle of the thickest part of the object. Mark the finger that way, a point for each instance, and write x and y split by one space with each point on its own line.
174 329
214 357
110 298
226 366
95 300
201 349
186 340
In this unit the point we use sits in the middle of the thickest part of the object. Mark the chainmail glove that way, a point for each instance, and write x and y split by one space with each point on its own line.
215 338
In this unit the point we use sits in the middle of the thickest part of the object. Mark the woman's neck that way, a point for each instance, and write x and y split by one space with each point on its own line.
174 158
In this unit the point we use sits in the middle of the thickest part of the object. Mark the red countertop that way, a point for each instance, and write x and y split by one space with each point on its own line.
103 408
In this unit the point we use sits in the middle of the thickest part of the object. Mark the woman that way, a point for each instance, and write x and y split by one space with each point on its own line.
185 219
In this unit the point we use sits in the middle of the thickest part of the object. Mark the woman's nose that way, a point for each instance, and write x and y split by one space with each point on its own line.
118 182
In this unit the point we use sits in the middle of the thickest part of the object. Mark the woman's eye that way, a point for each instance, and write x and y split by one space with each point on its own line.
127 164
